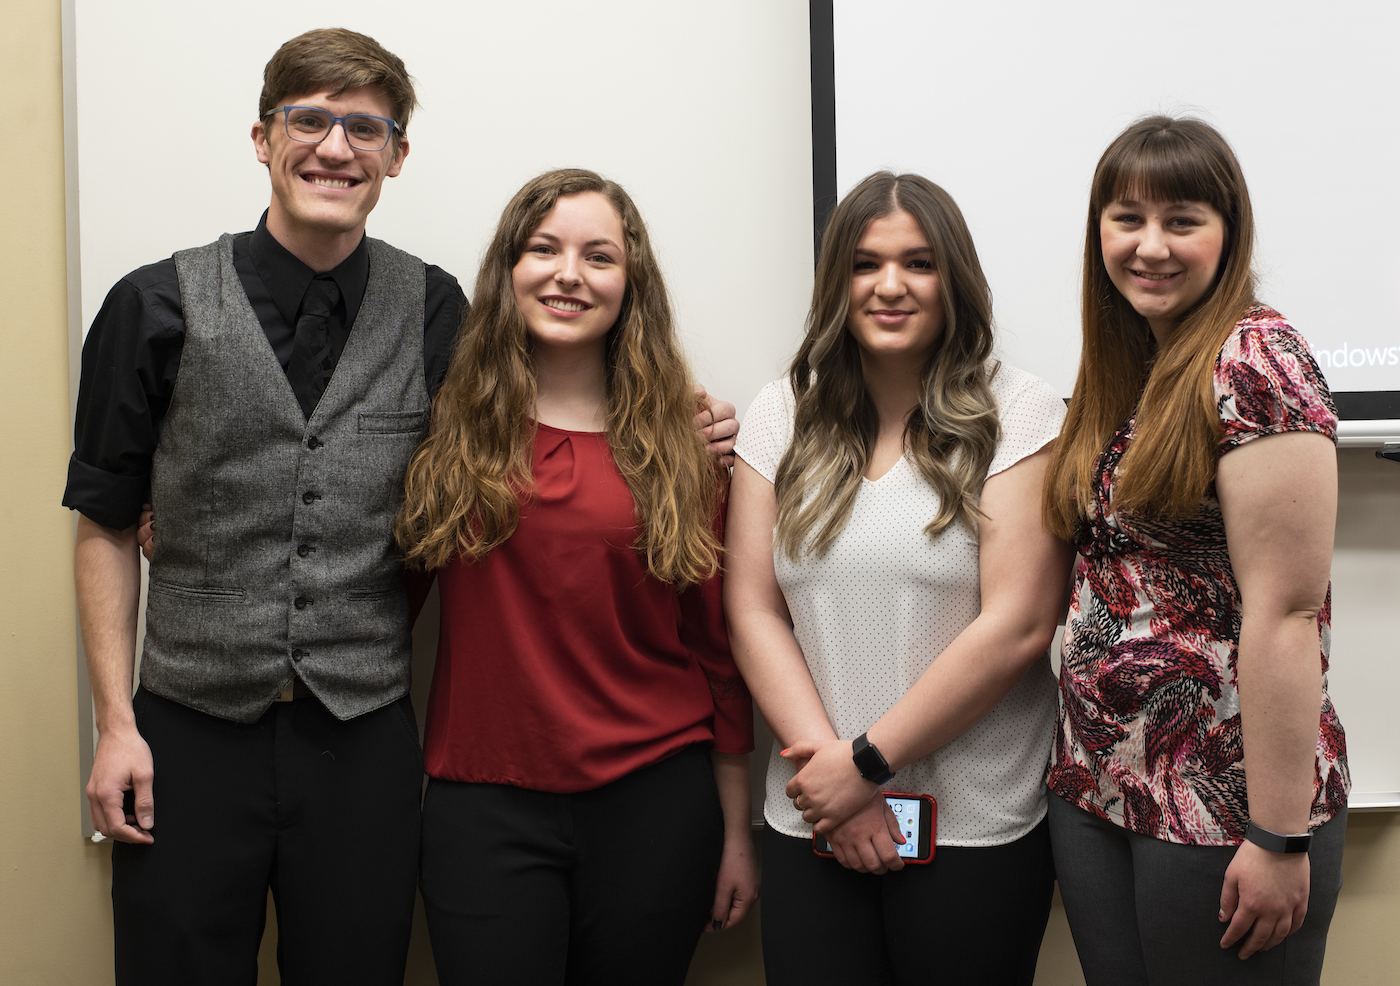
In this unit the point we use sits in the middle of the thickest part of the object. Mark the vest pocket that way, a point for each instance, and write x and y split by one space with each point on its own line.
375 592
207 593
393 422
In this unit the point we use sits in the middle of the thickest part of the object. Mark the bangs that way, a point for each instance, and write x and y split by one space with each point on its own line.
1163 166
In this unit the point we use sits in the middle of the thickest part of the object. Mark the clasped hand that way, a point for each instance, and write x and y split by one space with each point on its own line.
844 807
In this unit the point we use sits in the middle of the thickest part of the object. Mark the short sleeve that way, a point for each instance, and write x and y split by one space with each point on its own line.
1031 414
766 430
1267 383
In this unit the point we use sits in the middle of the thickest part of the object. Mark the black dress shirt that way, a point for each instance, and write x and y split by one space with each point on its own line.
132 354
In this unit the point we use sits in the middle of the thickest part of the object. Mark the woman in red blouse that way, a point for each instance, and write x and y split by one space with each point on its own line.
1199 777
587 739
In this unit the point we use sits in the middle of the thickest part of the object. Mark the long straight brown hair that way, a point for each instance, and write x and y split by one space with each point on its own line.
466 481
1172 460
951 435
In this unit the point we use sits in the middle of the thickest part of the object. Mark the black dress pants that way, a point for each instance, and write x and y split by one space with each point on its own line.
972 915
611 886
323 811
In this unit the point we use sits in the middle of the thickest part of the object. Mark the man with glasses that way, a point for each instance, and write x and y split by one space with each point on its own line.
265 392
272 728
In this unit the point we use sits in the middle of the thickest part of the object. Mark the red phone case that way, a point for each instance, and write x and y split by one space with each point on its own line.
931 806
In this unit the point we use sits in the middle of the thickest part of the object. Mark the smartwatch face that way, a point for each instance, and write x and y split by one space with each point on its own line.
871 765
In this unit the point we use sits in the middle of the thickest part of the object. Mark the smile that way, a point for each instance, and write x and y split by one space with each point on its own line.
1145 275
565 304
330 182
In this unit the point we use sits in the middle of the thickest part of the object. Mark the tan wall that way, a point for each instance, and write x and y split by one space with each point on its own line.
55 918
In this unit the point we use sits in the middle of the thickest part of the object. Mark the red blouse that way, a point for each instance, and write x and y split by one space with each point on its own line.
562 663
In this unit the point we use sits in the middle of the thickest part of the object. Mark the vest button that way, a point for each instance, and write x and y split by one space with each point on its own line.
301 602
309 497
303 550
313 443
298 654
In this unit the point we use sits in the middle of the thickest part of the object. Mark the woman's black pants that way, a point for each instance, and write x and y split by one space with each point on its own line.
612 885
972 915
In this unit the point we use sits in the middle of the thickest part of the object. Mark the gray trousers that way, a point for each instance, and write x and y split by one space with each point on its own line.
1144 911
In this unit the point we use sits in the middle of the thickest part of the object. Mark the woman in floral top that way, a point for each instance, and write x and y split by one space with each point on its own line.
1196 476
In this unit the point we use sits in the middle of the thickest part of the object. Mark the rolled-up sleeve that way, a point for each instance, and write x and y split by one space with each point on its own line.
130 359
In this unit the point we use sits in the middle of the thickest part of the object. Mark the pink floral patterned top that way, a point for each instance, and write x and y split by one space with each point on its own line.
1149 722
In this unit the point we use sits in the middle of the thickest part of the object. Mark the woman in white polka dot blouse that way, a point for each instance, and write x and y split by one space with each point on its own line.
889 582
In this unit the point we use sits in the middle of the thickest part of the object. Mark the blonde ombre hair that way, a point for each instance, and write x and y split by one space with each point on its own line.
466 482
951 435
1172 459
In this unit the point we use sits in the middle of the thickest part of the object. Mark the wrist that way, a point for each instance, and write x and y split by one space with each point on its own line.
737 838
1281 843
115 722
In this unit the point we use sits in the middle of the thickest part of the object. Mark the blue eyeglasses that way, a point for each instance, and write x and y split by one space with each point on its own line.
311 125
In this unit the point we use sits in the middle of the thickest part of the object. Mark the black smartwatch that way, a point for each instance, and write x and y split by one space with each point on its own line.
1274 842
871 764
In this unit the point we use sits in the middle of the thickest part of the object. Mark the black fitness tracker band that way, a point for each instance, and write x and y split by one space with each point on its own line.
872 766
1274 842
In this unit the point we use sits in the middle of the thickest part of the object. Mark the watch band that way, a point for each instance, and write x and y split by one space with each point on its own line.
1274 842
869 761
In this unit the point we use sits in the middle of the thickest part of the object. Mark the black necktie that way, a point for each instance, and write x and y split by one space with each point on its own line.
309 369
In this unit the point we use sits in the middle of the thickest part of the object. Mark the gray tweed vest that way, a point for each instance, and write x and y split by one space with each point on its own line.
274 555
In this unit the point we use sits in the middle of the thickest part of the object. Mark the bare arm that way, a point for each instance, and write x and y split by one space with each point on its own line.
737 885
107 576
1023 574
760 629
1278 498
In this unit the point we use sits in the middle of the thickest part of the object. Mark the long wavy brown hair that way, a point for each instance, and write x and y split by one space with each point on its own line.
466 482
1172 460
951 435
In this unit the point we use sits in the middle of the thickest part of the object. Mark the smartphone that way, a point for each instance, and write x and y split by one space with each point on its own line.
917 815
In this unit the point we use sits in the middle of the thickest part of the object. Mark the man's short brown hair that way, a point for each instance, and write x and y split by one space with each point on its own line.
333 59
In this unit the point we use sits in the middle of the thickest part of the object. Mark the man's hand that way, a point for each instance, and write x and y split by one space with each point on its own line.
828 788
717 423
146 531
1266 891
107 580
865 842
122 763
